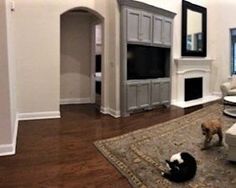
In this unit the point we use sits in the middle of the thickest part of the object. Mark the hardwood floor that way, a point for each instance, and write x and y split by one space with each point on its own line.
60 152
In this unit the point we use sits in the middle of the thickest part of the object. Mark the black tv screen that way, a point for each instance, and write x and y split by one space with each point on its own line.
146 62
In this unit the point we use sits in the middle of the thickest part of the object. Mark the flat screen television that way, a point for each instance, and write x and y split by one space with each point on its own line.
147 62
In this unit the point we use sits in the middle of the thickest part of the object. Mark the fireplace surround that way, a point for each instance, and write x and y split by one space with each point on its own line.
187 68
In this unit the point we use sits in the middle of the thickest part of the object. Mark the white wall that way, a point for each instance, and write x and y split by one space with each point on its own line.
76 33
8 121
221 18
114 55
12 66
5 113
37 44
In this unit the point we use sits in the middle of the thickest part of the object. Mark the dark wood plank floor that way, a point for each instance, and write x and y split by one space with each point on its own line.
60 152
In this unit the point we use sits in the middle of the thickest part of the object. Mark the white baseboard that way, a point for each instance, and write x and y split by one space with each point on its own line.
75 101
7 149
10 149
173 101
39 115
217 93
112 112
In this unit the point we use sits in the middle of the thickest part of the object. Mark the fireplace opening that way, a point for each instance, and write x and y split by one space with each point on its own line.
193 88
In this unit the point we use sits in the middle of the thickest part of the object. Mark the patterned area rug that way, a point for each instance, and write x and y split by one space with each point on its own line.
139 154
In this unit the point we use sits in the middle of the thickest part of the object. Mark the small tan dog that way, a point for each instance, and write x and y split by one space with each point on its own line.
209 128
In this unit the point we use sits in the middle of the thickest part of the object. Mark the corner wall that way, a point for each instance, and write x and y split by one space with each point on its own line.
8 120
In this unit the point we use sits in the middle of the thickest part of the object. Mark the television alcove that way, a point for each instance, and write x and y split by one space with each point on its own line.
146 41
147 62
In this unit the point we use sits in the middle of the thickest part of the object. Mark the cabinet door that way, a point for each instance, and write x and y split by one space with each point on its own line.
157 29
133 25
146 27
143 95
167 31
165 92
155 93
132 90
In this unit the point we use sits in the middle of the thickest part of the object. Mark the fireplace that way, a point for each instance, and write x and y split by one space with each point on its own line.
192 89
192 82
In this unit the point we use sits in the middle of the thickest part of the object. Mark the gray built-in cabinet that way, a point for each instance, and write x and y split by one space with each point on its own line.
139 26
147 25
160 91
144 27
138 93
146 94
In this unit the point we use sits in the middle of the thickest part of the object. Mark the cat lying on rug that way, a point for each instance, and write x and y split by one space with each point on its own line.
182 167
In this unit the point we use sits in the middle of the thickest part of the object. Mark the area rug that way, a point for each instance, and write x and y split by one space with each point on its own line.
139 154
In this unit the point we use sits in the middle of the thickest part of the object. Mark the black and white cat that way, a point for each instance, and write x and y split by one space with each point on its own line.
182 167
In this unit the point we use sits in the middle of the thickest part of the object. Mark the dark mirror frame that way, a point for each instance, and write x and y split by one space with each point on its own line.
202 10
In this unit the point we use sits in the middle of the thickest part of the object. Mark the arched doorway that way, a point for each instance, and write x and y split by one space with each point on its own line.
81 70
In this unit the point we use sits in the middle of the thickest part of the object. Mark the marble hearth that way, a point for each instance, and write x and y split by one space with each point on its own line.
193 68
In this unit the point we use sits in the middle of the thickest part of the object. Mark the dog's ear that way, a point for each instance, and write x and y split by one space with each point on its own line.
202 126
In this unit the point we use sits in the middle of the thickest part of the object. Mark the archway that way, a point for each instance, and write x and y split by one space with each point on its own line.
81 54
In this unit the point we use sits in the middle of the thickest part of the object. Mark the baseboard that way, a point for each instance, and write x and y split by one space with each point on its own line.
10 149
173 101
75 101
7 149
110 111
39 115
217 93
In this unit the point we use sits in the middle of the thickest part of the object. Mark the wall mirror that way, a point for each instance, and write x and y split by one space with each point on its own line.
194 30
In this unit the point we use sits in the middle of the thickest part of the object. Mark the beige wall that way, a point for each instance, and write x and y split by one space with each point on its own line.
12 65
221 16
76 33
5 105
114 54
36 34
37 44
37 41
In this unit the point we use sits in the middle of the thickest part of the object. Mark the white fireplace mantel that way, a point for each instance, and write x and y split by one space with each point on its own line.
193 68
187 64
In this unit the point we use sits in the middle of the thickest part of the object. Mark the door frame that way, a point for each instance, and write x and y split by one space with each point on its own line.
93 60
